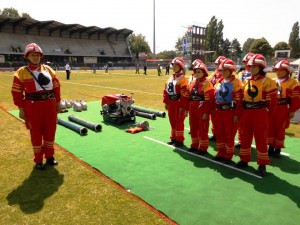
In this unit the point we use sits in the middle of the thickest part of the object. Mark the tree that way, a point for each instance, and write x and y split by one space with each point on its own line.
225 48
166 55
10 12
294 41
137 44
261 46
247 44
179 44
26 15
214 36
236 49
219 36
281 46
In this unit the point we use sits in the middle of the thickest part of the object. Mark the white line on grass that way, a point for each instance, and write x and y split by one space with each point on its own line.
121 89
200 156
253 146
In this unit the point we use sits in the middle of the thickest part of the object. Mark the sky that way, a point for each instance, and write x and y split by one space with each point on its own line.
272 20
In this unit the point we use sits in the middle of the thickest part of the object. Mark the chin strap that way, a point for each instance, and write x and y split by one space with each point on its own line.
32 66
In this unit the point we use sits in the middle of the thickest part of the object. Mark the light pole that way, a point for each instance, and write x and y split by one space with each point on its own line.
154 56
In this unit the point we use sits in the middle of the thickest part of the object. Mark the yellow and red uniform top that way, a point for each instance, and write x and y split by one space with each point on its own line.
260 88
202 87
24 82
177 85
289 88
230 91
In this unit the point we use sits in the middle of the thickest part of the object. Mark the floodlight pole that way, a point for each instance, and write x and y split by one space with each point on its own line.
154 56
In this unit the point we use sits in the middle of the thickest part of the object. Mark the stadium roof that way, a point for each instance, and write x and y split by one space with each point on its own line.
53 25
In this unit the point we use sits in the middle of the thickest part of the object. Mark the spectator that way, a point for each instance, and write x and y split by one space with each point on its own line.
68 70
94 68
158 69
167 69
137 69
106 68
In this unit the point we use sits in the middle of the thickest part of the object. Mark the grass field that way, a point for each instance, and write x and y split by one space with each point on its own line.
73 193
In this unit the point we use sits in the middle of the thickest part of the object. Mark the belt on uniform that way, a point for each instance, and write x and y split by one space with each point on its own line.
174 97
225 106
197 98
283 101
255 105
39 96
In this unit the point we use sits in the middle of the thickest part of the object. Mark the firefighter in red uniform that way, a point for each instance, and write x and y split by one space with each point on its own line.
288 104
192 77
175 97
36 91
213 79
228 110
201 95
260 100
245 73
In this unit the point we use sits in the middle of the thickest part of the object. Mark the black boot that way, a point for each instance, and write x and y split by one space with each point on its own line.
51 161
271 151
39 166
201 152
237 145
276 153
262 170
241 164
212 138
178 144
172 142
192 150
219 158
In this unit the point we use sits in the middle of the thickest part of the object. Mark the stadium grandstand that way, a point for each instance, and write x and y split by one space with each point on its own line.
61 43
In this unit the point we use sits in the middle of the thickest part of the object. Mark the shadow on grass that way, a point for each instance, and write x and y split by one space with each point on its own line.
270 184
286 164
290 134
31 194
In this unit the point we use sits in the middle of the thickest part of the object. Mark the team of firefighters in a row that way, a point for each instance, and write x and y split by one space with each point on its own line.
250 104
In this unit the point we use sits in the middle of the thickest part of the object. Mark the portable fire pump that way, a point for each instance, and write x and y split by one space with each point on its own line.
117 108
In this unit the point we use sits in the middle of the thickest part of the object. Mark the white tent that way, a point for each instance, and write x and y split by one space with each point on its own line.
296 62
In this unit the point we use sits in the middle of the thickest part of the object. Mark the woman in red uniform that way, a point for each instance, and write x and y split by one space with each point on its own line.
228 110
201 93
288 104
175 97
214 79
245 73
36 91
260 99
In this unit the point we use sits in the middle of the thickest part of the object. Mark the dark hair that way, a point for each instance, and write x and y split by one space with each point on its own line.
262 71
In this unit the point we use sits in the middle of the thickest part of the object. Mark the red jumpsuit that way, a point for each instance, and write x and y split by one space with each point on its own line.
214 79
242 76
228 105
260 99
201 93
175 96
39 107
289 101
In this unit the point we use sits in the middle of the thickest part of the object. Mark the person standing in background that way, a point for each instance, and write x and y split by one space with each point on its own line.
68 70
